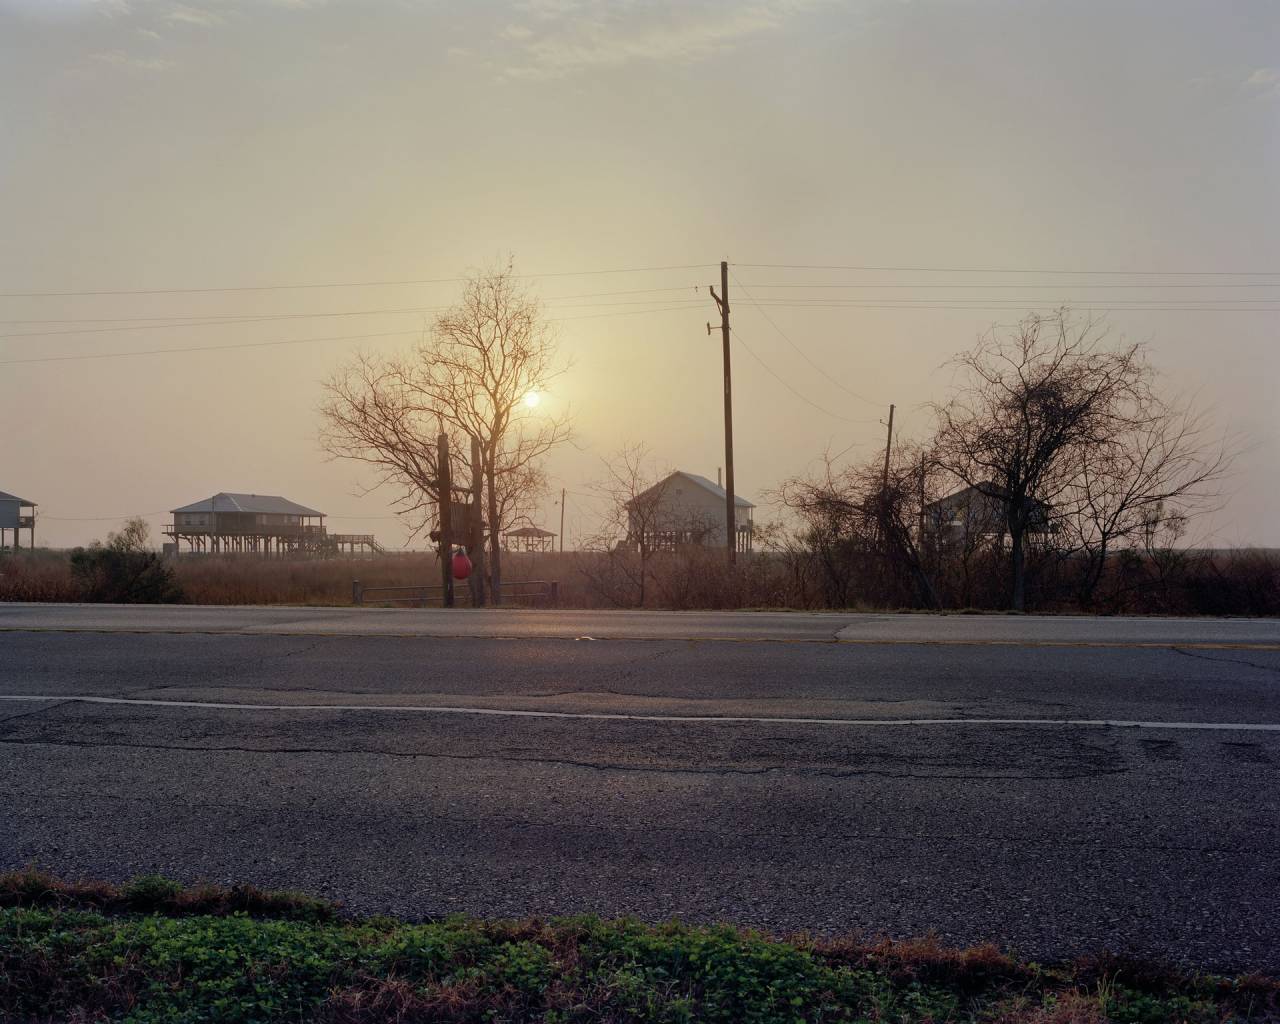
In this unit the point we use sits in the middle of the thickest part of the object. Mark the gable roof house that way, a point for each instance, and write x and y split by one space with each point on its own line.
686 508
16 514
978 512
247 523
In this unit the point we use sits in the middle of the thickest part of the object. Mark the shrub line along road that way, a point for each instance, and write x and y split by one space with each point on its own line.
1056 785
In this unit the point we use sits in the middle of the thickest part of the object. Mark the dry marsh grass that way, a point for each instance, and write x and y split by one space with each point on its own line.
1235 582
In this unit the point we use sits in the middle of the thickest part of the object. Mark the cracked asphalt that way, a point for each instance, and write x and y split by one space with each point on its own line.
1048 839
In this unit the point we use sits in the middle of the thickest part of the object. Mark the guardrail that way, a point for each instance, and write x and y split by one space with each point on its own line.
532 592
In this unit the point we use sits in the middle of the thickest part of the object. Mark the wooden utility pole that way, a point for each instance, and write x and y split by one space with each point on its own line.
888 447
920 541
731 519
476 533
562 520
444 491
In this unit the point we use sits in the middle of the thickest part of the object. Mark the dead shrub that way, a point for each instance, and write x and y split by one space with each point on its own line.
925 960
32 887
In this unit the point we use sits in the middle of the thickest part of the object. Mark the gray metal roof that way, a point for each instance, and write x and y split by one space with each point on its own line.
738 500
267 504
6 496
715 489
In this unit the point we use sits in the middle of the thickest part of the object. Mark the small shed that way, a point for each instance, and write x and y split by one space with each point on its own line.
16 514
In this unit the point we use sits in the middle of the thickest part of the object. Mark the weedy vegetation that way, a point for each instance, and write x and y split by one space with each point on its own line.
153 951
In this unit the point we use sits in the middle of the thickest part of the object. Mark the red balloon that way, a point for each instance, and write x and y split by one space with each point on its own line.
461 566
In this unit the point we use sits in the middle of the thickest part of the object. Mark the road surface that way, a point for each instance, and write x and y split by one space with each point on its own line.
1055 785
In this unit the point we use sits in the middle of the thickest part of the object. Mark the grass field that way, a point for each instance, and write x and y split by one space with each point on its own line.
154 952
1243 582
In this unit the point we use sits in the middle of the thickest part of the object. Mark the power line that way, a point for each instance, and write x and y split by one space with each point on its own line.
639 270
199 348
336 284
804 398
294 341
626 312
100 519
174 323
1068 299
1102 307
803 355
165 512
426 309
1013 270
1051 284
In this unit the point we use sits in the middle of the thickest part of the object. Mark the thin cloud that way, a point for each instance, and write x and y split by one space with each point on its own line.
185 15
1264 79
1264 82
566 37
120 59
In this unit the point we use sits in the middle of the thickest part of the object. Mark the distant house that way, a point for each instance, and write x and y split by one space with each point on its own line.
978 513
16 514
686 508
258 524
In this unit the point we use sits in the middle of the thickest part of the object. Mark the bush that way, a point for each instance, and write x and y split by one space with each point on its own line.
124 571
85 952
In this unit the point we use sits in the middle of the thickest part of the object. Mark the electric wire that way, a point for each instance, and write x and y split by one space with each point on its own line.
734 333
1012 270
75 357
269 317
803 355
336 284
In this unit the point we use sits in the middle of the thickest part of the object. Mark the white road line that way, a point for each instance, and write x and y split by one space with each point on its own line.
1118 723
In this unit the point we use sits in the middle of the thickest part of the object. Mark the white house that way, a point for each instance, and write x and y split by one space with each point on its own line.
685 508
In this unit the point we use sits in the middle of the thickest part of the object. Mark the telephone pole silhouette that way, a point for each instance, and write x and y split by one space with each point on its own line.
888 447
730 513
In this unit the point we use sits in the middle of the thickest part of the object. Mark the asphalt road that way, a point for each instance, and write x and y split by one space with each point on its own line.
881 774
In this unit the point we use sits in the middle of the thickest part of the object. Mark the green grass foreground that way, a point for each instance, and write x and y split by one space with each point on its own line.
153 951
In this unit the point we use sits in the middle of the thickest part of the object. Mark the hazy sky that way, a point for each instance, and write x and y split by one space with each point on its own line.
150 145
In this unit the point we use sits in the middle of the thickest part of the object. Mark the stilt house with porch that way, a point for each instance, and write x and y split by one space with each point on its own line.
266 525
16 514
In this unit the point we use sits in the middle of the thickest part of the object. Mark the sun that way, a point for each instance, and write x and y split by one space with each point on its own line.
532 399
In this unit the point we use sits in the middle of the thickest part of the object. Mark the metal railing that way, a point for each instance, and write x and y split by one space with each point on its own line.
290 531
525 592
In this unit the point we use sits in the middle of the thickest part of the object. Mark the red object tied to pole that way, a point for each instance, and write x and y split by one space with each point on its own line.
461 566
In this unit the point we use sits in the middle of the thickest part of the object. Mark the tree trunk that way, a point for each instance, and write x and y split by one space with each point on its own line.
475 535
644 571
1018 565
495 537
1097 564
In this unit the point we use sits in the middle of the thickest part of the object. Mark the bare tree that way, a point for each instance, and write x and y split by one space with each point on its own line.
472 375
861 524
373 414
1034 403
1144 486
633 491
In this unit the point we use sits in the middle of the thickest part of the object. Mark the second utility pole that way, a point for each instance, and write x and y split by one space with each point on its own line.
888 447
731 524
